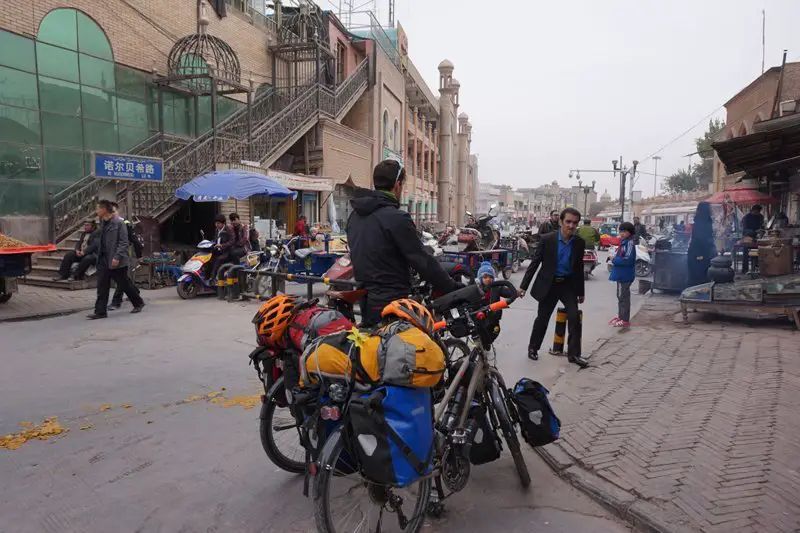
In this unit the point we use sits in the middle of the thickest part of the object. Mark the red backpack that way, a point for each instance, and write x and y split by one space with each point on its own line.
314 321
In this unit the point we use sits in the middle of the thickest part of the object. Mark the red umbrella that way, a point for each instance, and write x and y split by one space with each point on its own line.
741 195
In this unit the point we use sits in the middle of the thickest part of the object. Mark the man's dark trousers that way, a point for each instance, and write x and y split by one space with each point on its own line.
120 277
83 264
563 291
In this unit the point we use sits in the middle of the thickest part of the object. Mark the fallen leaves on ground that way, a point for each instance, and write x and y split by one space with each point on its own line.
126 406
30 431
105 407
246 402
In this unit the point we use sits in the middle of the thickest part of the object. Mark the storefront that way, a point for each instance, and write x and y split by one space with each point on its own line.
313 193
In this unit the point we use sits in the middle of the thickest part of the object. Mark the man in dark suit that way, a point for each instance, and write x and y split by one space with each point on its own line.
560 255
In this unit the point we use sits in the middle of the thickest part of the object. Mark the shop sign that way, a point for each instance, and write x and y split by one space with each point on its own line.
301 183
127 167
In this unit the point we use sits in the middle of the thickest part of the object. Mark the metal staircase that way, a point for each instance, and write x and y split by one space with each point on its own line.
277 120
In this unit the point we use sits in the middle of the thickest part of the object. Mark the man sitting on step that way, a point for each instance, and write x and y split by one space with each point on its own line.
85 253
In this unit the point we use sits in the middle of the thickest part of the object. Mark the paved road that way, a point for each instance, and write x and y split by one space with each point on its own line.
148 450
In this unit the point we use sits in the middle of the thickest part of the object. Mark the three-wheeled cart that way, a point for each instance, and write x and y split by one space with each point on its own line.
16 263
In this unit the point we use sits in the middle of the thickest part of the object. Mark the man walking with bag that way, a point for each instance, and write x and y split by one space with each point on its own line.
560 254
112 261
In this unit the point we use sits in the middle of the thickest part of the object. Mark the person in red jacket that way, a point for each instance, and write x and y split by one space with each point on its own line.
300 229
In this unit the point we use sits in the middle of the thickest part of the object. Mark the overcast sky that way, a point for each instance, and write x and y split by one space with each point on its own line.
554 85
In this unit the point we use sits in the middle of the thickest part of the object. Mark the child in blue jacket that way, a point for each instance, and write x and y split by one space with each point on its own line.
624 272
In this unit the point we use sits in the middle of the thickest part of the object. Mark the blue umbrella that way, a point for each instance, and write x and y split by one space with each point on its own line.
222 185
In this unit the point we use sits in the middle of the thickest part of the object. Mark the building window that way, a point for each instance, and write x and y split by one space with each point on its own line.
396 135
385 128
341 58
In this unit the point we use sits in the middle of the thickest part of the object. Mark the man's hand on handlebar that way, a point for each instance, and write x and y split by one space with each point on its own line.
581 299
521 293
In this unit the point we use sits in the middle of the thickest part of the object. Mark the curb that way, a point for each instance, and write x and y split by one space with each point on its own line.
44 314
642 515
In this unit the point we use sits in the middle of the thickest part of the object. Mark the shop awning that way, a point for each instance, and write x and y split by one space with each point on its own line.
222 185
741 195
762 153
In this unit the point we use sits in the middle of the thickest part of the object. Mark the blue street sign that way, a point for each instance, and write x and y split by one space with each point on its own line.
127 167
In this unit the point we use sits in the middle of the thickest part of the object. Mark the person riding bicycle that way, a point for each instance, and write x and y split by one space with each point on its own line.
384 245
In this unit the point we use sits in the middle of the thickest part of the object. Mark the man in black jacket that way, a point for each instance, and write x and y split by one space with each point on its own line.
112 261
85 253
550 225
384 245
560 255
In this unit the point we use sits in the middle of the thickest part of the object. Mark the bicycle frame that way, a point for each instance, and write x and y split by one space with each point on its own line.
481 370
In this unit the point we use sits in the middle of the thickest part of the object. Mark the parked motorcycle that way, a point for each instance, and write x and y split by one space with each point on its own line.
478 233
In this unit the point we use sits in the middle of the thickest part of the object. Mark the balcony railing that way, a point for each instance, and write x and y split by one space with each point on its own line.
256 10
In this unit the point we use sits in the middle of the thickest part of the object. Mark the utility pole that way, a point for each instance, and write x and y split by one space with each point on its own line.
656 158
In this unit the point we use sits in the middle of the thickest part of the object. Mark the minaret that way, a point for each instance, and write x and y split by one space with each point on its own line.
463 165
446 111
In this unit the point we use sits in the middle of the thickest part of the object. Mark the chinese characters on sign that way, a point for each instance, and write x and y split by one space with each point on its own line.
127 167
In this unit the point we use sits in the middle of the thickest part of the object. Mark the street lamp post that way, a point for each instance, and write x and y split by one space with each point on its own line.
623 175
656 158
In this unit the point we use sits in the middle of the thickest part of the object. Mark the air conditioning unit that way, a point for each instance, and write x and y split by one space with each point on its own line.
787 107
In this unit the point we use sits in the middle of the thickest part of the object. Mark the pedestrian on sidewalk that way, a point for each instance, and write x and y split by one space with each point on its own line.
551 224
560 254
112 261
135 250
623 271
701 248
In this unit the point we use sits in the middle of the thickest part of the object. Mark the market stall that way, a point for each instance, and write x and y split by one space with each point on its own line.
15 262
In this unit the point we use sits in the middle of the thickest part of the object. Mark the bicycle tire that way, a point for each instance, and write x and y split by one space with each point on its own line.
267 432
322 501
499 403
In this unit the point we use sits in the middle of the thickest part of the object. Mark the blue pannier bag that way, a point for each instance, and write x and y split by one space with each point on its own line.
538 421
392 429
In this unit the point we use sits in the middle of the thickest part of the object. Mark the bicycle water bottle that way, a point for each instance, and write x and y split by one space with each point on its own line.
453 409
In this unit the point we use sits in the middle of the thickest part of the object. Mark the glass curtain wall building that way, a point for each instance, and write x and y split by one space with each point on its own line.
62 96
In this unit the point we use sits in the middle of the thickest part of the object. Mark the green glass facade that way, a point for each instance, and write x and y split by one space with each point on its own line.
62 96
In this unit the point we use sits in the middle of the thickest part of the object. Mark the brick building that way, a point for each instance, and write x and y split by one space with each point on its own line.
752 105
286 88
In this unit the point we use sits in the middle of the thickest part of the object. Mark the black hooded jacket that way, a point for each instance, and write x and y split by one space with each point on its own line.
384 245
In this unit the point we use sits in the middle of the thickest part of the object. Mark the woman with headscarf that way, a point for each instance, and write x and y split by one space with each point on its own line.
701 248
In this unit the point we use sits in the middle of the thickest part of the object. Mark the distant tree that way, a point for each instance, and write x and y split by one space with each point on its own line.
596 208
704 171
682 181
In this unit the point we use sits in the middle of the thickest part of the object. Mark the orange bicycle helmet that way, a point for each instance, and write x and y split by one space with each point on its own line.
273 318
414 312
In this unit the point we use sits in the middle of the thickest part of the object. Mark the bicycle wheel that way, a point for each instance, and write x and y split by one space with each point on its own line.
345 502
279 436
456 349
500 402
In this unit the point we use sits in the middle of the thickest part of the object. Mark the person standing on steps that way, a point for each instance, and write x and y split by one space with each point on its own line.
560 255
112 261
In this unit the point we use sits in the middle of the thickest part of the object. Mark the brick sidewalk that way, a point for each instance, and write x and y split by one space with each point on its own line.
702 422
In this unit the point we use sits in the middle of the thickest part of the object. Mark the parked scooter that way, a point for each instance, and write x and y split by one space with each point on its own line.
195 279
